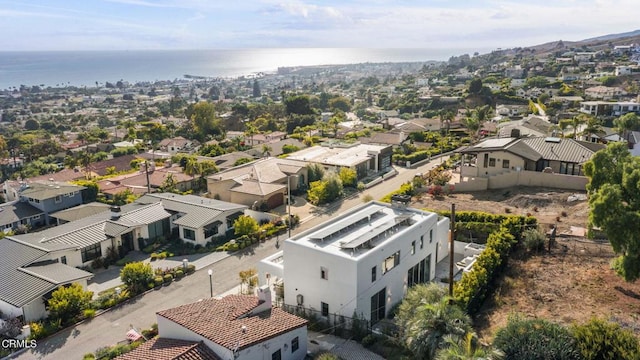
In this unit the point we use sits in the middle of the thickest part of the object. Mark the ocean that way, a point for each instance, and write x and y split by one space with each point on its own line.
85 68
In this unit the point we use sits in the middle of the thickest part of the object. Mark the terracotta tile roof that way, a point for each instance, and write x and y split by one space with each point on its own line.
221 321
170 349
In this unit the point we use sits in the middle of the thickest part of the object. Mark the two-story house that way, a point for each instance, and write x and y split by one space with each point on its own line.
362 261
50 197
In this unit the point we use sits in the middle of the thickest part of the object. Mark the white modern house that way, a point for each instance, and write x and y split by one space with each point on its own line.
242 327
361 261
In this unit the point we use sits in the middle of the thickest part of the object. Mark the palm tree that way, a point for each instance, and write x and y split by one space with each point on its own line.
424 331
266 150
593 126
466 347
576 121
564 124
192 167
625 123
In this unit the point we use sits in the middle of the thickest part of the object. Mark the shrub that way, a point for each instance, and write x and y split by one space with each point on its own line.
89 313
369 340
88 356
158 280
599 339
326 356
97 263
124 261
179 274
534 240
136 276
154 256
535 339
167 278
67 302
191 269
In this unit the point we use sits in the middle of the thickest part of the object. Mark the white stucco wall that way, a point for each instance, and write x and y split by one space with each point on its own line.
349 286
169 329
9 311
275 269
35 310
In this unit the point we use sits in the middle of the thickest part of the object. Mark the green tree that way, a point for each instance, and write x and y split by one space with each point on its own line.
340 103
475 86
602 340
593 126
315 172
299 104
424 326
136 276
626 123
533 339
349 177
576 121
67 302
245 225
466 347
256 89
204 120
614 202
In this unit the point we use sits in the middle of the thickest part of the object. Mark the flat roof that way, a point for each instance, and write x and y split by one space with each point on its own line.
354 233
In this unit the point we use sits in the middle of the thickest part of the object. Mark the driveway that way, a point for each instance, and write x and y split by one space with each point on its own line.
111 327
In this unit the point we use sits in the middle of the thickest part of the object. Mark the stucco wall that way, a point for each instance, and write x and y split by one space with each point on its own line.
524 178
220 188
9 311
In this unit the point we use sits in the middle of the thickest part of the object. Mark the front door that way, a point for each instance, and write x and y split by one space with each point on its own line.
127 242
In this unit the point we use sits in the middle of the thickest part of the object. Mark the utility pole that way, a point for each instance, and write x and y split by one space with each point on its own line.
146 170
452 238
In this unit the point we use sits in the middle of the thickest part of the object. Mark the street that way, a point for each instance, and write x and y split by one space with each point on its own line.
111 327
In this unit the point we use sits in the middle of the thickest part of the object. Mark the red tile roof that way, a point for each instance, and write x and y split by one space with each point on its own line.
170 349
221 321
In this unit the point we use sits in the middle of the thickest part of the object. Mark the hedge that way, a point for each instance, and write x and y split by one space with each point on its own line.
471 291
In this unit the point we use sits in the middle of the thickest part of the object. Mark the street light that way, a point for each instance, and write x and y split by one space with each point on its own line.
210 272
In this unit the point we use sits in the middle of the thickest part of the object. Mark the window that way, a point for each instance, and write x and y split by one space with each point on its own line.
390 262
325 308
276 355
413 247
294 344
486 160
63 259
91 252
430 236
374 272
505 164
324 273
420 273
492 162
210 231
378 306
189 234
421 241
58 199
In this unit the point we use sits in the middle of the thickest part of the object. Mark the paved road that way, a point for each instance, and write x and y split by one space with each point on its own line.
111 327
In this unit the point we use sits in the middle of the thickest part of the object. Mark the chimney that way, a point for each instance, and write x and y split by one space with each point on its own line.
401 137
115 212
515 133
264 297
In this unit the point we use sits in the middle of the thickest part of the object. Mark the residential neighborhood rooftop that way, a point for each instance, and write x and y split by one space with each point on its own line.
164 348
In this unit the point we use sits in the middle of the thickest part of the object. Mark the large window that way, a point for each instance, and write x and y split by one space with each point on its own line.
378 306
295 345
390 262
189 234
420 273
505 164
492 162
325 308
159 228
91 252
210 230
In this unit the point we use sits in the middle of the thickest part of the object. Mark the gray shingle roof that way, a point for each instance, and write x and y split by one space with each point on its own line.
93 229
567 150
18 288
198 211
57 273
80 211
15 211
47 191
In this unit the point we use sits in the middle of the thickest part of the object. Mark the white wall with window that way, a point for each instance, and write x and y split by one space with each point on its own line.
316 274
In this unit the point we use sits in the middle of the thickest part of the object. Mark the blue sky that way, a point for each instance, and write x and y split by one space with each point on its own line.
216 24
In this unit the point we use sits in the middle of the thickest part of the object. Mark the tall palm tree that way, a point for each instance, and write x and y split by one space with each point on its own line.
593 126
576 121
466 347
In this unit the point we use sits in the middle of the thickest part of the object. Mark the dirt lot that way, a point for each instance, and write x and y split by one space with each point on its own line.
569 285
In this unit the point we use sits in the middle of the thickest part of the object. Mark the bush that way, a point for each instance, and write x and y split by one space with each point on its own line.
533 240
88 356
599 339
67 302
179 274
535 339
326 356
369 340
136 276
124 261
167 278
158 280
191 269
97 263
154 256
89 313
